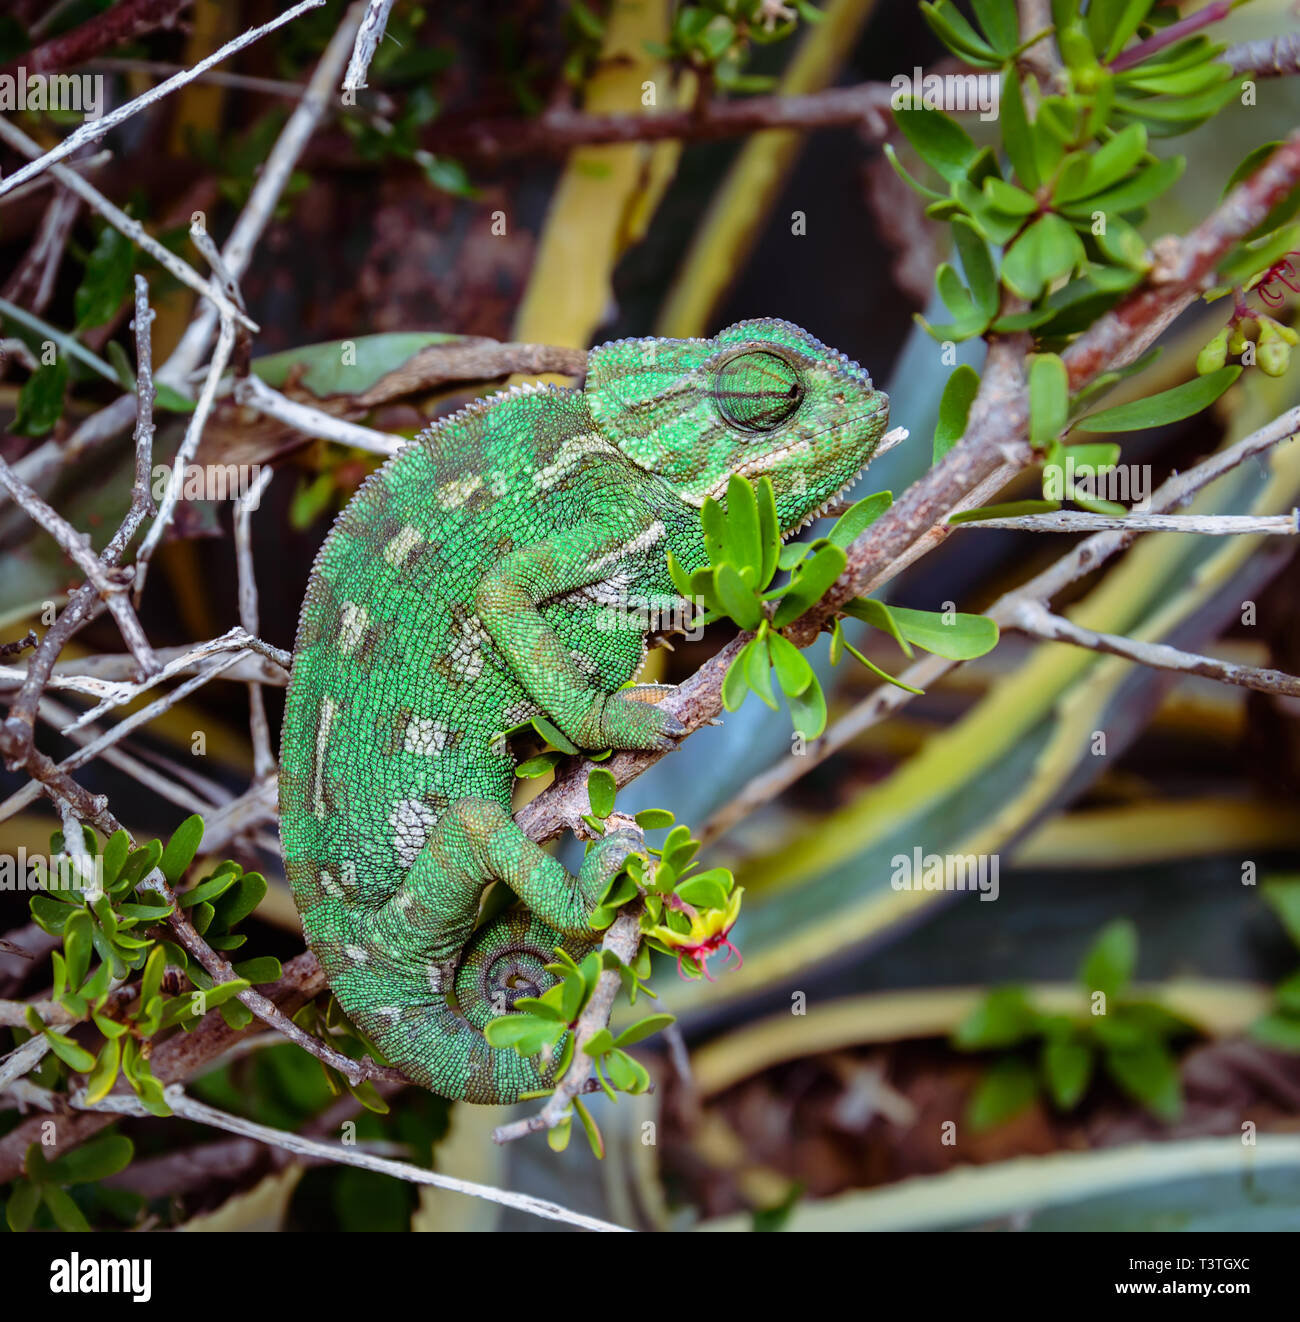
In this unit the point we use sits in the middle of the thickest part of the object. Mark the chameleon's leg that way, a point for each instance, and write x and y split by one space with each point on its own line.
507 602
476 842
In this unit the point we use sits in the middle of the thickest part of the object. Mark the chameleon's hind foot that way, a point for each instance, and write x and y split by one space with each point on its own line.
626 719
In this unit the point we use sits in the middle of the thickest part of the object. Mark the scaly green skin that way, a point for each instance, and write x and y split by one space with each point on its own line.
510 562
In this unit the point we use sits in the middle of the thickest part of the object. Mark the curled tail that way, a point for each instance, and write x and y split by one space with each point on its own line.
435 1036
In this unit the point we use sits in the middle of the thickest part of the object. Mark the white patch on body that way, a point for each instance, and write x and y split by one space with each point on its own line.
466 655
452 495
411 821
425 736
402 545
570 454
352 626
327 710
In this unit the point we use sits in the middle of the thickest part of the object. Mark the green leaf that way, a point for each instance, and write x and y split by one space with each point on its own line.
643 1029
744 537
735 683
40 401
67 1215
951 27
22 1205
591 1129
208 889
1108 966
74 1056
1168 406
1109 163
1047 251
1049 399
758 670
1283 896
533 767
1009 198
1250 259
553 735
600 792
702 892
1148 1074
1017 135
809 583
97 1159
116 850
954 409
965 637
879 616
1281 1030
976 263
808 710
107 280
1122 19
181 848
892 157
793 672
1134 193
769 530
939 141
654 819
858 517
1004 1091
1011 509
77 948
737 597
265 968
1067 1069
1002 1019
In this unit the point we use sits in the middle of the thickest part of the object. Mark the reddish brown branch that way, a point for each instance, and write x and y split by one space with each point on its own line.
122 22
560 128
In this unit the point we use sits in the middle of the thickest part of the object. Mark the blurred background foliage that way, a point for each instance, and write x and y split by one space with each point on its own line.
831 1116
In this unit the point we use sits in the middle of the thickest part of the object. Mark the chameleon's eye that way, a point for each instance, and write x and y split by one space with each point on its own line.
757 391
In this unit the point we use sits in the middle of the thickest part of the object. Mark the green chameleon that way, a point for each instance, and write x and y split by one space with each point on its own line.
511 562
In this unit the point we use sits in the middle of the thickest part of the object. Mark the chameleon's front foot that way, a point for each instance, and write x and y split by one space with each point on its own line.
604 859
624 719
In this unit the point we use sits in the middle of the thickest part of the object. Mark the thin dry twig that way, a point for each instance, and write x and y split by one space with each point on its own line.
1033 618
369 35
1208 525
124 224
93 130
189 1108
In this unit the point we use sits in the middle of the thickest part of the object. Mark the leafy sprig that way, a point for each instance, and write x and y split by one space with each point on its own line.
743 543
1058 1055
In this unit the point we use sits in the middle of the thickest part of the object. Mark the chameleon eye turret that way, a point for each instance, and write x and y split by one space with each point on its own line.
757 392
485 575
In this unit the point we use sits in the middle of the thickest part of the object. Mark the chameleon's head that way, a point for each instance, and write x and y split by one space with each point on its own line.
761 397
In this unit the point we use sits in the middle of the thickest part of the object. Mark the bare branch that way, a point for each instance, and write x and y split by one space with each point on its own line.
253 392
93 130
369 35
188 1108
113 591
1210 525
1034 618
124 224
